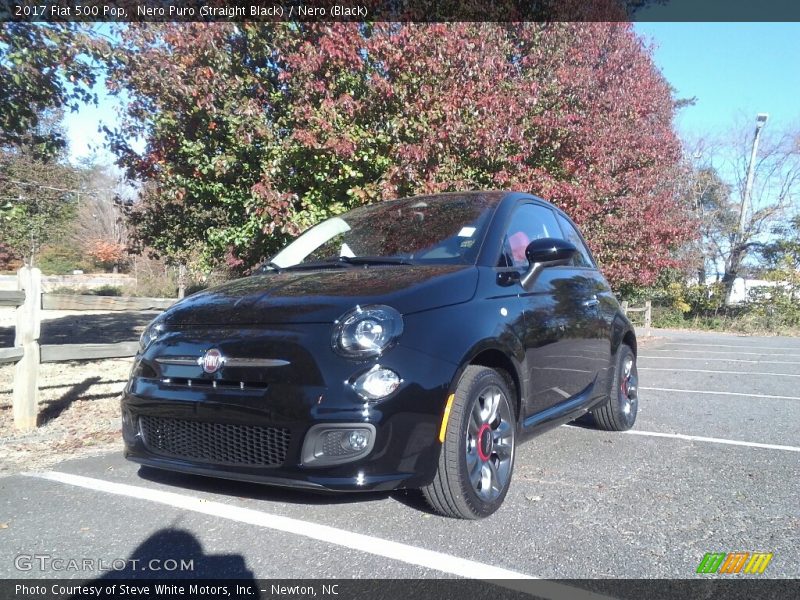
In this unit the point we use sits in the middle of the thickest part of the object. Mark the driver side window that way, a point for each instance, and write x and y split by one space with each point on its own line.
582 258
529 222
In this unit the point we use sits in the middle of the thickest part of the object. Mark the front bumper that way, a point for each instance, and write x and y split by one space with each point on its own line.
405 451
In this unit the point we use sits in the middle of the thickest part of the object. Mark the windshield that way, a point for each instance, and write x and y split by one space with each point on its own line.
445 229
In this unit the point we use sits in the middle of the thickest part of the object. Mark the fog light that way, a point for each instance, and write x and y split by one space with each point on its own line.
358 440
339 443
377 383
344 442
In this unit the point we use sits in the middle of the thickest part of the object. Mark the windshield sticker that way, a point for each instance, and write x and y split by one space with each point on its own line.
466 232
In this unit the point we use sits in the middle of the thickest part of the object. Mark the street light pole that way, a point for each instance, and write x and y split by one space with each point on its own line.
736 251
761 119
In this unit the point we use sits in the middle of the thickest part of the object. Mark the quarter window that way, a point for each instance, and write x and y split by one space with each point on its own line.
583 258
529 222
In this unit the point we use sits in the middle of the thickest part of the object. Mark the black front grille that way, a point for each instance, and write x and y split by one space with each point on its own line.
220 443
216 383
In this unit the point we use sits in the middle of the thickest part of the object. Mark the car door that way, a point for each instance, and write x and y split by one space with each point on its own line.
556 314
588 294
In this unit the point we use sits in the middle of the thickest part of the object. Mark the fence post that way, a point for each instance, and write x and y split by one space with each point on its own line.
26 374
181 281
625 307
648 307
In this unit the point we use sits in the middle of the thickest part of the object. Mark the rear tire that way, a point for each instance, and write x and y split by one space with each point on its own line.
477 457
618 413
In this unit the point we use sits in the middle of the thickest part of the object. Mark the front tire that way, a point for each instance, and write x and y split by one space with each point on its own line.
477 457
618 413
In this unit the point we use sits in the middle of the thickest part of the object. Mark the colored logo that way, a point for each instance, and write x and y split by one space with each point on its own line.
735 562
212 360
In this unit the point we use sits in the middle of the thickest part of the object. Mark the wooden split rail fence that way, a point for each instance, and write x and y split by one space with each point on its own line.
647 309
28 354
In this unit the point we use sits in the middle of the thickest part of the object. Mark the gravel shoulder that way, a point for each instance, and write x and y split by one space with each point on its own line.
79 400
78 414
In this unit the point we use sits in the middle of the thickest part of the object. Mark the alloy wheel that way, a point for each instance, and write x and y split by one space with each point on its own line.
629 382
490 443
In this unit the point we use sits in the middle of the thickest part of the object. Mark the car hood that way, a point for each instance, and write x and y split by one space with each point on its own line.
322 296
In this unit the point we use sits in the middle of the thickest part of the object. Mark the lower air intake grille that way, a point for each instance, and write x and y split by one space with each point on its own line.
216 442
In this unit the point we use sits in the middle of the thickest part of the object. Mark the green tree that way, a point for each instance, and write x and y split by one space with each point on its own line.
43 67
37 194
782 258
202 97
778 305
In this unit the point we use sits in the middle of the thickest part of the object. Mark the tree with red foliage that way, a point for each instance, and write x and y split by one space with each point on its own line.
255 131
106 253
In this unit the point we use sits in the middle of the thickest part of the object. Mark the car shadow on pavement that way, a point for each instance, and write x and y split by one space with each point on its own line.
177 554
584 422
255 491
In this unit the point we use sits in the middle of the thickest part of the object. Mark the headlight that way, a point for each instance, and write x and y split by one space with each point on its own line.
151 333
367 331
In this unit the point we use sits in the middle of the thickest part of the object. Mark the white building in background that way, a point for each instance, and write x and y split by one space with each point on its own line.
742 287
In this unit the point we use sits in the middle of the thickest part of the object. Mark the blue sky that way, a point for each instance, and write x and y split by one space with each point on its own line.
734 69
82 128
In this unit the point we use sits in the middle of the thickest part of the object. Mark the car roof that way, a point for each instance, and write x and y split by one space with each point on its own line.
487 196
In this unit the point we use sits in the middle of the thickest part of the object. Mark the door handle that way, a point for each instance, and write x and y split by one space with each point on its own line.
593 301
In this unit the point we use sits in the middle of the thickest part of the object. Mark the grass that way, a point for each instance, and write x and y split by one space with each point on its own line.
735 321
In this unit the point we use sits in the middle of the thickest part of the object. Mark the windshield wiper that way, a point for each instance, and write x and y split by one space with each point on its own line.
338 262
317 264
270 266
374 260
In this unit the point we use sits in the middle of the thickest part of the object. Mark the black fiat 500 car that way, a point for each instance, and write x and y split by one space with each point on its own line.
412 343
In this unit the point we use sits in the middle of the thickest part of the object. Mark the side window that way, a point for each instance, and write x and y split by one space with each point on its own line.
529 222
583 258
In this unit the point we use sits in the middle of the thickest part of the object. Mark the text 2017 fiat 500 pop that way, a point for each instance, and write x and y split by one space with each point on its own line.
411 343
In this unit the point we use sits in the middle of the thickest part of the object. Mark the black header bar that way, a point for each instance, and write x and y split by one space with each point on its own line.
110 588
423 11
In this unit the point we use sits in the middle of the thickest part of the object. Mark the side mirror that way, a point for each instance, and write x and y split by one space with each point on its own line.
543 253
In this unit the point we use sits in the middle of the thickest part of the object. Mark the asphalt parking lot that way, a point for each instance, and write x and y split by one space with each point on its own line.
712 465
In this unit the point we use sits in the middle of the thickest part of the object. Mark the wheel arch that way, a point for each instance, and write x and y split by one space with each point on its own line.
503 360
622 333
629 339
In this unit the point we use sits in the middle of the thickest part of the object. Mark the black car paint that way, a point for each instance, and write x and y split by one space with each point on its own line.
321 296
557 341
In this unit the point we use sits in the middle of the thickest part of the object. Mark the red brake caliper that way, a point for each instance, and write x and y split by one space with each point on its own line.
481 455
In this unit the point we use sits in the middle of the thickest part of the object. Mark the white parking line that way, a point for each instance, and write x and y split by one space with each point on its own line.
699 438
795 354
429 559
412 555
740 360
659 389
796 349
682 370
